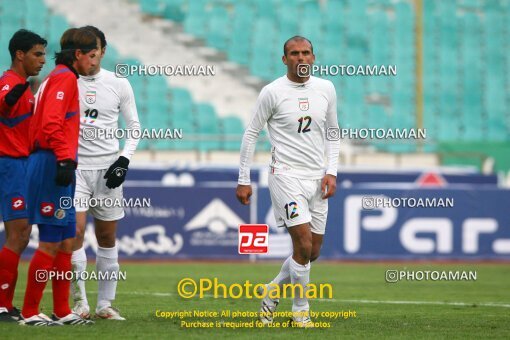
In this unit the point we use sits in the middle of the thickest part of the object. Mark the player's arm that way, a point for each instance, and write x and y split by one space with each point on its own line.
9 97
332 147
58 98
262 112
130 116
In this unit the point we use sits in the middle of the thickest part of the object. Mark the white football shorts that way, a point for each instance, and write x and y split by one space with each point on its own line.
298 201
94 196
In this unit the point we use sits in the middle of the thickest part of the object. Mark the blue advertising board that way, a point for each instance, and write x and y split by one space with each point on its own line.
474 225
202 223
201 174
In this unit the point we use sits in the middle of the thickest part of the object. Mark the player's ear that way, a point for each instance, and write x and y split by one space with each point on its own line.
77 54
20 55
284 59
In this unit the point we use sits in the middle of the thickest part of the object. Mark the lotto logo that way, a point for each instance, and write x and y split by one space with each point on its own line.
47 209
253 238
18 203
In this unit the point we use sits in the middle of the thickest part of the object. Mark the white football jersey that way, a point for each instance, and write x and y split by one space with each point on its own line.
298 116
103 97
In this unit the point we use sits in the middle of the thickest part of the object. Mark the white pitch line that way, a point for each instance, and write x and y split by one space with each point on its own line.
389 302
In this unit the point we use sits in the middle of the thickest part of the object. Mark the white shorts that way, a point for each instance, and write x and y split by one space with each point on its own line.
91 185
298 201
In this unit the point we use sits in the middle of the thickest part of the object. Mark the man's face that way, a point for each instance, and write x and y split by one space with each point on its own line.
86 62
298 52
33 60
97 60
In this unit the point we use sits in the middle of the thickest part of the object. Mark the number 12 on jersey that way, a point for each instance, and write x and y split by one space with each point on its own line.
306 121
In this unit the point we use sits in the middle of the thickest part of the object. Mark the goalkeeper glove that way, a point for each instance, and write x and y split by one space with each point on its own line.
116 174
15 93
65 172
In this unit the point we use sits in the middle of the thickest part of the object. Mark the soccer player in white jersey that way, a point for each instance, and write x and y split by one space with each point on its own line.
298 109
100 173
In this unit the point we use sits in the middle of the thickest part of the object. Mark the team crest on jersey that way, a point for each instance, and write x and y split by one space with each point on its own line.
303 104
60 214
6 88
90 97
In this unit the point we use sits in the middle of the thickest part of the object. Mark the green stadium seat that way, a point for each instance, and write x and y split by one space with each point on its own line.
58 25
377 117
173 10
37 17
497 131
208 127
233 130
181 104
189 132
196 19
152 7
335 14
397 147
219 28
156 88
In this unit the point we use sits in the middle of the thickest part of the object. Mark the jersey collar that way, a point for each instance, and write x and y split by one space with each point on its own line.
14 74
298 85
95 77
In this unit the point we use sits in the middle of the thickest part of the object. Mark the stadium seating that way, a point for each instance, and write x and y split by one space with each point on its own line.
465 46
159 105
465 62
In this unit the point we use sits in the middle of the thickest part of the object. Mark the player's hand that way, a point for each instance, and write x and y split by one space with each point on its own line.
15 93
65 172
116 173
328 186
243 193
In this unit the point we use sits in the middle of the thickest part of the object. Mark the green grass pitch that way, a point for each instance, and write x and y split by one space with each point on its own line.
418 309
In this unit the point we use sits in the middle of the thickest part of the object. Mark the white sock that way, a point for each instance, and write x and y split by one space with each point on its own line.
283 276
79 262
106 262
300 274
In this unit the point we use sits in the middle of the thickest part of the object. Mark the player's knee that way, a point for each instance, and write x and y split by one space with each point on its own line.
19 240
80 236
23 241
50 248
304 250
66 246
106 240
315 255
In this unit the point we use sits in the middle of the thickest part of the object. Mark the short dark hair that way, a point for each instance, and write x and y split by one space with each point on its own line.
24 40
295 38
98 33
74 39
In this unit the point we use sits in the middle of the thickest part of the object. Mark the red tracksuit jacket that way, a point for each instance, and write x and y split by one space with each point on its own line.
55 125
14 120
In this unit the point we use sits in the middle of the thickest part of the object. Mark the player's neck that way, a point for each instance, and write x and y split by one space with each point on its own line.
295 79
19 70
95 72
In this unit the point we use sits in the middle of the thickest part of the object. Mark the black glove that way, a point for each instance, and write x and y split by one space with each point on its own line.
65 172
15 93
116 174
